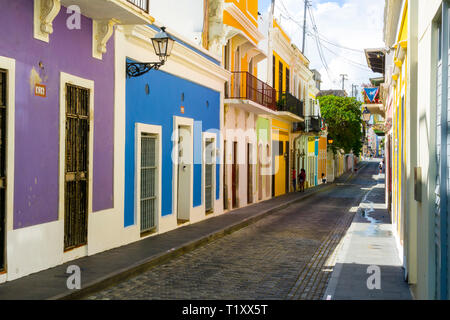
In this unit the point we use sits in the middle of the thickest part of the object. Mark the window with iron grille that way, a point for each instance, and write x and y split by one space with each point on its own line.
209 175
76 167
148 182
3 107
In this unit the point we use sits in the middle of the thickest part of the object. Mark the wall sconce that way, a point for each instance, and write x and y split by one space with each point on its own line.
162 44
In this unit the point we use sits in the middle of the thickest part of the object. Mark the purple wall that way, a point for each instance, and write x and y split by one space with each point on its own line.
37 119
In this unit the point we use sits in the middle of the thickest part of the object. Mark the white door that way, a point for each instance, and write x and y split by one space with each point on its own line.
184 173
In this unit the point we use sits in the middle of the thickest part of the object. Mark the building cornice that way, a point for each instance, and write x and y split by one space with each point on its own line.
180 53
244 21
280 46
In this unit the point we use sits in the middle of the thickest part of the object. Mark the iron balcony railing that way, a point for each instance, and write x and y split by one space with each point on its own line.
141 4
299 126
314 123
311 124
290 104
246 86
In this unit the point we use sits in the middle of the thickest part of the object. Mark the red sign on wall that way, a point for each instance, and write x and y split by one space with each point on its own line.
40 90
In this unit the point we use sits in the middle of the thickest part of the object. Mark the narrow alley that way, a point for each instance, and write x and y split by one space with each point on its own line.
289 255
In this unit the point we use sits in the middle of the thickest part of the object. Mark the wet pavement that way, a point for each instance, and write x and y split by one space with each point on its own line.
368 265
287 255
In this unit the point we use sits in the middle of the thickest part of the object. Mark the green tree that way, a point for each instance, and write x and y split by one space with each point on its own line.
344 119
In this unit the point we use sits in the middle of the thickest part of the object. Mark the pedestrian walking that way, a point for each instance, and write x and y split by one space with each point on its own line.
380 166
294 179
301 180
324 180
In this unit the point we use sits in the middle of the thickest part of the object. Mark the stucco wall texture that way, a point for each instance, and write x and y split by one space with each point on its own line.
37 126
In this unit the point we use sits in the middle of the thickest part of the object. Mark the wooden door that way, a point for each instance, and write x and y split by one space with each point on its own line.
3 114
76 167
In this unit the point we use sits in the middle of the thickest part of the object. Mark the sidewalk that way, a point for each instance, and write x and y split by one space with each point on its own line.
110 267
369 242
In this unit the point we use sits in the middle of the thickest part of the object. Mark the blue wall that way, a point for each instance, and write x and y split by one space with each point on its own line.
158 108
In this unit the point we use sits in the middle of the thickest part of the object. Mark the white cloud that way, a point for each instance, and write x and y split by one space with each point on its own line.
356 24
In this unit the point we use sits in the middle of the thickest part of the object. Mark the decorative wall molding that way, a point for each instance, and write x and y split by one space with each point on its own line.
180 53
244 21
281 46
45 11
101 33
216 32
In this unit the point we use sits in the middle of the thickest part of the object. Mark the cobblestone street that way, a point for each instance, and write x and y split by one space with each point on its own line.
288 255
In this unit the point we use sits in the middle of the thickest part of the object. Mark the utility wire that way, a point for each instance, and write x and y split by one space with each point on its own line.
288 16
320 40
356 64
318 44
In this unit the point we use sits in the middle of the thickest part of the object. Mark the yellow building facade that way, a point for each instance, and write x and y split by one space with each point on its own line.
247 100
280 154
399 126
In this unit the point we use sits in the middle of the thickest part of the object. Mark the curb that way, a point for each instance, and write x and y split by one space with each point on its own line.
153 261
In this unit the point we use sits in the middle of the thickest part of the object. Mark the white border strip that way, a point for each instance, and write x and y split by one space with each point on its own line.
156 130
9 65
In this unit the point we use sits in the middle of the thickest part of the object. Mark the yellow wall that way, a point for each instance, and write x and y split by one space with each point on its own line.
399 120
249 8
280 132
276 85
403 34
312 162
276 25
229 20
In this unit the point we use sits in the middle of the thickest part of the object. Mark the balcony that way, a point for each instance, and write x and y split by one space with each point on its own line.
141 4
250 93
313 124
298 126
289 103
124 12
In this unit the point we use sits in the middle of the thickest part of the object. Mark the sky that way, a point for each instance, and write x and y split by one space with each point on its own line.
346 28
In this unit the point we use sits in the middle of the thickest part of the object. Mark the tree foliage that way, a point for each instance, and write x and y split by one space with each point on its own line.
344 119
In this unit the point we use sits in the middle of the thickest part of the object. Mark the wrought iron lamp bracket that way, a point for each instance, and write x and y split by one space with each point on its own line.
136 69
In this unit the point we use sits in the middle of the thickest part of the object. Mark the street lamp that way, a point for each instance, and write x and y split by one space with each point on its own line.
162 44
366 115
